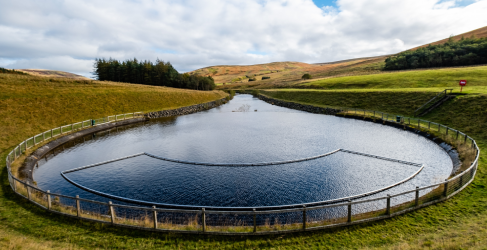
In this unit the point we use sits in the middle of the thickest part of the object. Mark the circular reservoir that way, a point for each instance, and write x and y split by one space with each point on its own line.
262 133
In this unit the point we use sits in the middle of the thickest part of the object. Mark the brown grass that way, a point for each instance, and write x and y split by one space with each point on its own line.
53 74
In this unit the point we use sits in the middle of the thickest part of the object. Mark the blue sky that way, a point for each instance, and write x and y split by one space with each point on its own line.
321 3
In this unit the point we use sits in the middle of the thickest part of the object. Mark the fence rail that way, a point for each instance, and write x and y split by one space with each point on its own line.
255 221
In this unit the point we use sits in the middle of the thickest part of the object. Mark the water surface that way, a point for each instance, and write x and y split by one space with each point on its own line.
265 133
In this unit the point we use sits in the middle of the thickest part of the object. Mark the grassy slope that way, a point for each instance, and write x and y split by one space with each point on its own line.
53 74
292 77
448 77
460 222
30 105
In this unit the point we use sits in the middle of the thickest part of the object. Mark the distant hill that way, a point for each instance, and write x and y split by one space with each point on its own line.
284 74
53 73
282 71
478 33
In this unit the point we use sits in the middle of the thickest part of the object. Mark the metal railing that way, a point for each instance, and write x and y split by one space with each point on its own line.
277 220
431 102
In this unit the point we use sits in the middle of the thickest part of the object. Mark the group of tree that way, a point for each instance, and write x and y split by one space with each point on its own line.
145 72
468 51
11 71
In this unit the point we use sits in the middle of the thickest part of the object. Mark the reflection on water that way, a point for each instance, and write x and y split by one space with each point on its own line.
263 134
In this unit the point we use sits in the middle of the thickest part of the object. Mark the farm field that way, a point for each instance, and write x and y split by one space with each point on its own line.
458 223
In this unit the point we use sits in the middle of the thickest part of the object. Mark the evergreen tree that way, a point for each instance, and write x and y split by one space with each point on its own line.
159 74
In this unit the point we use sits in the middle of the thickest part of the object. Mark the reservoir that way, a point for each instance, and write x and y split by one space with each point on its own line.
245 130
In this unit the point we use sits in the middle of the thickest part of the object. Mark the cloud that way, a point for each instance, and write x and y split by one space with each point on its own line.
68 35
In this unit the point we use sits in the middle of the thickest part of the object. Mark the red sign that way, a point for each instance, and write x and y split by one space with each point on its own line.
463 82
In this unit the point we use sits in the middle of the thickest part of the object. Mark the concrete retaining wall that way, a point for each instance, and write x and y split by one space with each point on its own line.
297 106
186 110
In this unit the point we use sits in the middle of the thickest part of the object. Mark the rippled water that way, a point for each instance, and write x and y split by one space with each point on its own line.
266 133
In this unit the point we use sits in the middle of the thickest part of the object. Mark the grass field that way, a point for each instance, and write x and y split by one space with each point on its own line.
448 77
459 223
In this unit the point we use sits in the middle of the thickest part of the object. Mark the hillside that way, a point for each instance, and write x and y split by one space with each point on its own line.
32 104
424 78
478 33
287 74
53 74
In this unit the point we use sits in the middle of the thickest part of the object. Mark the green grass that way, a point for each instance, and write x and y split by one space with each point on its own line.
442 78
30 105
459 223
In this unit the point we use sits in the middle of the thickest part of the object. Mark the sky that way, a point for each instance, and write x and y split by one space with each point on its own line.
68 35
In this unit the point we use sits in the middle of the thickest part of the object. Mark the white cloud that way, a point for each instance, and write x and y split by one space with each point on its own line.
67 35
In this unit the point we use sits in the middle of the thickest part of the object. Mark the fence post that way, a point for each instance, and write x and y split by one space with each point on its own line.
155 217
445 192
34 139
51 133
203 217
28 191
417 196
429 125
255 221
447 130
48 200
388 210
112 214
349 220
457 134
14 184
465 141
304 217
78 207
461 179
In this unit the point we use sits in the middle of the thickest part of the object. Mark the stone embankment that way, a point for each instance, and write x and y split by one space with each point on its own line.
297 106
186 110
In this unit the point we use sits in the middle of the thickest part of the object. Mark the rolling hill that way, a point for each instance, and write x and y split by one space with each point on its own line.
286 74
53 73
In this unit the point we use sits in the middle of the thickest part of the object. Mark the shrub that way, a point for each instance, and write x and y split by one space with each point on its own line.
306 76
266 77
252 79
